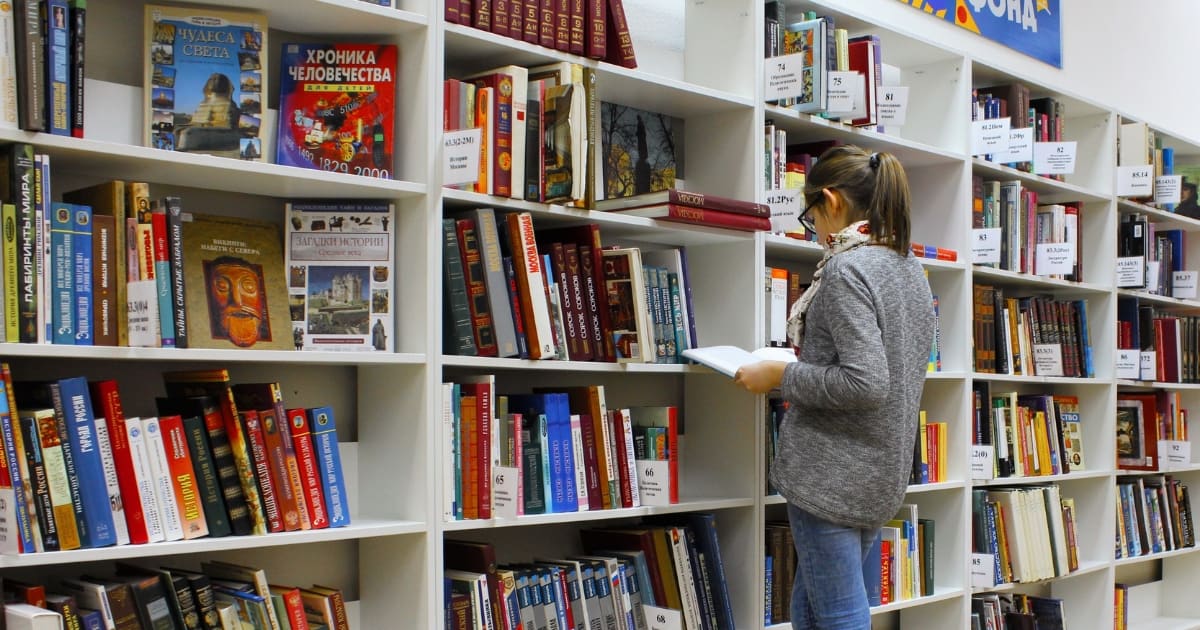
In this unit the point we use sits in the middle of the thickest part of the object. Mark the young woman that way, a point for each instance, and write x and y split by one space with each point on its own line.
863 331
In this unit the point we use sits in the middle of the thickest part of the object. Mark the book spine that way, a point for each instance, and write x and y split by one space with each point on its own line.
324 431
483 436
12 325
310 477
597 21
184 485
618 42
562 284
207 480
108 401
457 332
716 218
162 275
164 488
58 67
562 25
291 463
8 69
98 529
477 297
580 303
14 486
81 220
451 14
483 15
262 470
615 424
111 482
155 529
501 18
241 519
514 300
713 202
465 14
28 250
31 66
528 264
496 285
58 482
578 17
62 275
104 313
531 23
501 148
597 305
516 18
174 239
285 496
78 37
546 23
43 530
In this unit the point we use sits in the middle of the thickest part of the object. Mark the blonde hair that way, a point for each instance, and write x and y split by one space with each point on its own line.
875 187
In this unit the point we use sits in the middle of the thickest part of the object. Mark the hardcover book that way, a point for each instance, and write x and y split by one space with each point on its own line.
204 77
643 150
339 269
233 274
337 107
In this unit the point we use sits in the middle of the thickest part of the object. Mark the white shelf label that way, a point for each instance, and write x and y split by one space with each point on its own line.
985 245
786 205
983 570
1054 158
1166 188
504 491
1131 272
1183 284
654 482
460 156
1129 364
1055 258
662 618
989 136
1149 365
845 93
1135 181
1020 146
1047 359
1174 454
891 106
785 76
983 461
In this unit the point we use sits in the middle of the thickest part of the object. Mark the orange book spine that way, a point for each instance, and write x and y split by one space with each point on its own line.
310 476
183 477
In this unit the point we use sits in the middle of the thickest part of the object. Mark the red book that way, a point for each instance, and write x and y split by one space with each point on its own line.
546 24
482 468
501 18
861 54
293 604
590 466
469 464
562 25
501 117
562 279
310 476
885 572
516 19
591 259
597 19
617 431
465 12
532 23
483 15
106 401
578 17
183 477
700 216
452 11
482 323
285 494
684 198
262 469
581 298
618 44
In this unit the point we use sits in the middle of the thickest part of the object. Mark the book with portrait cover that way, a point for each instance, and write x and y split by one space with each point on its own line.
337 107
339 274
205 74
234 279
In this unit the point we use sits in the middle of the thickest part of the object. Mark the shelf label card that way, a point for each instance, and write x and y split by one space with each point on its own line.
1174 454
985 245
1054 158
654 482
990 136
1135 181
983 570
1152 277
1183 284
1129 364
662 618
1055 258
1131 272
786 205
1149 365
460 156
891 106
785 77
845 93
1166 188
504 491
983 461
1047 359
1020 146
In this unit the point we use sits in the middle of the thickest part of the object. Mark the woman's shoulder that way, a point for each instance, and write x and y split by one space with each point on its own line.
873 259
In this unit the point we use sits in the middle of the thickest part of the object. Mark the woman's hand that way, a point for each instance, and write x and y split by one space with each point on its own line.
761 377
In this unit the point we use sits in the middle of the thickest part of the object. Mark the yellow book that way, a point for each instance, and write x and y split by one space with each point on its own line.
1042 439
923 438
46 426
942 438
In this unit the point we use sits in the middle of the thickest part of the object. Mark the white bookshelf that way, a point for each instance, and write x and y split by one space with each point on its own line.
387 406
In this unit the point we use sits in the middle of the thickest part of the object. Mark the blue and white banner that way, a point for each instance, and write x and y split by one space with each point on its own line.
1031 27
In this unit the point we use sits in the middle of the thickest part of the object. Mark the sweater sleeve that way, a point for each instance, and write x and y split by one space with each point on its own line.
859 378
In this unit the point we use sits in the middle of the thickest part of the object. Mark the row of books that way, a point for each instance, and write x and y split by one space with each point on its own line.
219 596
1031 435
1154 514
1166 342
1030 335
1016 611
1143 420
930 451
1029 531
42 66
1155 254
598 30
629 575
219 460
563 449
1026 227
1139 145
1045 115
511 291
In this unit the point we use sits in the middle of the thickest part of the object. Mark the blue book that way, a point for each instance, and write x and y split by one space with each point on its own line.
97 528
82 259
58 67
704 527
62 274
456 400
641 572
559 416
769 569
21 509
554 484
873 573
1168 168
90 619
329 461
1085 336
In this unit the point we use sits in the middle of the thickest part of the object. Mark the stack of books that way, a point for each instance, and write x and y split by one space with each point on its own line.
694 208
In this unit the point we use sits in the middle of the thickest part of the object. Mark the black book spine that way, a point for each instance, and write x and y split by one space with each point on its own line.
31 66
215 513
78 31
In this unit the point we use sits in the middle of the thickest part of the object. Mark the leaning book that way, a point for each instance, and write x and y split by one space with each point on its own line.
337 107
339 269
727 359
205 77
234 284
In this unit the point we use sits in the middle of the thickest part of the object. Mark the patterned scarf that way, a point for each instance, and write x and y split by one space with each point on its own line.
850 237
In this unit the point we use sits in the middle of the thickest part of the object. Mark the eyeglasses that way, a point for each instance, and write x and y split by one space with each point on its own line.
811 200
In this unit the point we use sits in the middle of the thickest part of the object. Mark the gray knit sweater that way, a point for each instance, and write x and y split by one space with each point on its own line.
846 443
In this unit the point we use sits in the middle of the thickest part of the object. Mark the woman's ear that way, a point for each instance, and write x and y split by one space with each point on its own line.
833 205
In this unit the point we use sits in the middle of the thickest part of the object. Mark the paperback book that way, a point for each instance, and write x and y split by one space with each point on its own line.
337 107
727 359
204 74
339 266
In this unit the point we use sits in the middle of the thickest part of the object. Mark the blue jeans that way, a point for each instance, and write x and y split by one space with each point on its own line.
828 591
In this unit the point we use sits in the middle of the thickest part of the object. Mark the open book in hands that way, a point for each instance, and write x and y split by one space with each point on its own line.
727 359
